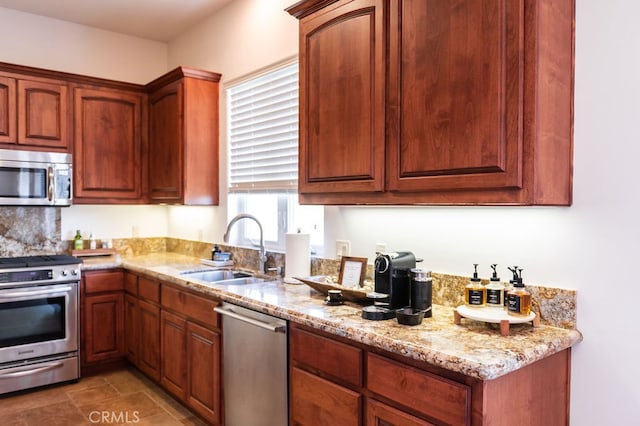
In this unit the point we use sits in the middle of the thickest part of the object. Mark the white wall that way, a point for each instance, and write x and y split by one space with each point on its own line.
591 246
42 42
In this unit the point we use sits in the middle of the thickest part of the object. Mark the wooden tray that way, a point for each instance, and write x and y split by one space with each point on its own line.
318 283
494 315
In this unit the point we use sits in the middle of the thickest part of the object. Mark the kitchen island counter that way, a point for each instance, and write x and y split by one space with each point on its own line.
473 348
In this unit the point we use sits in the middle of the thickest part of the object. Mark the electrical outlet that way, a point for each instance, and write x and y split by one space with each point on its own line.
343 248
381 247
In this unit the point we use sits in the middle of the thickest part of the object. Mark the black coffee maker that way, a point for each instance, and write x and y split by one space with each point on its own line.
392 284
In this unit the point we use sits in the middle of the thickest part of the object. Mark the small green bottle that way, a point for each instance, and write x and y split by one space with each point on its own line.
78 243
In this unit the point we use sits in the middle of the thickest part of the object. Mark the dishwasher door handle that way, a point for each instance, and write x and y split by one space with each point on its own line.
276 328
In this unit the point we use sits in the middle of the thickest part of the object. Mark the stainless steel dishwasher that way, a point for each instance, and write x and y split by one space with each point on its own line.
255 367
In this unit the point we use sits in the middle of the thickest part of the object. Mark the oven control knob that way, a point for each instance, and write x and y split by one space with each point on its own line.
64 272
75 272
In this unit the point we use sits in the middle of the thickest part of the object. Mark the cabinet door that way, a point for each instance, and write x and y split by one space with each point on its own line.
132 328
317 402
165 143
7 110
149 347
342 98
108 146
173 356
103 327
455 95
204 382
43 114
379 414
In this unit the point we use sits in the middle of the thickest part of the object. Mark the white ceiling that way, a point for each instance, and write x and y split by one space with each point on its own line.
160 20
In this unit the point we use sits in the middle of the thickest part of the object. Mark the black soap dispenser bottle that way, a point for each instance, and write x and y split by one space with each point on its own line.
519 299
495 290
475 293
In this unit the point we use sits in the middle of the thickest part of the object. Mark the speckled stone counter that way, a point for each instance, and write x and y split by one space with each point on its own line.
472 348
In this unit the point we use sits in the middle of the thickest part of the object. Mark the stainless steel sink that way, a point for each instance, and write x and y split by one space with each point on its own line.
222 277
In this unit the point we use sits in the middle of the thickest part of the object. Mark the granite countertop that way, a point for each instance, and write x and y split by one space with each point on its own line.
472 348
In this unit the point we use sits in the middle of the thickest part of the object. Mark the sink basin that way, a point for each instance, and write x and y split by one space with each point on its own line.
223 277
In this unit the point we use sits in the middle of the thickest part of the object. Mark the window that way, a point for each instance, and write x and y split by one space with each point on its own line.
263 160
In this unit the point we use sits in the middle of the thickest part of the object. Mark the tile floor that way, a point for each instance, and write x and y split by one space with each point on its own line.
118 397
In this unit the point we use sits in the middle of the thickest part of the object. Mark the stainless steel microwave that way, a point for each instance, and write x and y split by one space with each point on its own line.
34 178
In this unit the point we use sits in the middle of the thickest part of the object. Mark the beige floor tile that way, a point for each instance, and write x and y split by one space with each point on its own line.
22 401
135 405
62 414
90 395
125 382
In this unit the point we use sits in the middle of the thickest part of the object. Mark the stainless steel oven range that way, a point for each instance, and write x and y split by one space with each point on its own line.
39 321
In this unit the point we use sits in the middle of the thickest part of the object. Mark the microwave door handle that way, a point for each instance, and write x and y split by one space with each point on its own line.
51 190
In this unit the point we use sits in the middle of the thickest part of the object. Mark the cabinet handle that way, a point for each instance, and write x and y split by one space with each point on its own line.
271 327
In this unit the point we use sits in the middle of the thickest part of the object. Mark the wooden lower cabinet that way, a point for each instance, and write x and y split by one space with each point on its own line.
204 371
149 339
400 391
379 414
173 334
102 330
316 401
191 368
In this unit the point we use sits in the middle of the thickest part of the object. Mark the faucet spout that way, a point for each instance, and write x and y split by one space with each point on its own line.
263 256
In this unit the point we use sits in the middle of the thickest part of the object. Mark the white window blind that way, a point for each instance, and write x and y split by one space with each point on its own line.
263 132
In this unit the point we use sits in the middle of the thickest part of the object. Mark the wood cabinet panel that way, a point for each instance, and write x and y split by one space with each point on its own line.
149 346
103 327
183 137
315 401
342 98
131 283
43 114
8 109
204 372
457 89
103 281
132 328
438 398
342 362
194 307
166 157
379 414
149 289
173 356
108 145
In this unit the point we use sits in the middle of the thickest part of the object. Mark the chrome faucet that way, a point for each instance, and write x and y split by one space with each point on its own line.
263 255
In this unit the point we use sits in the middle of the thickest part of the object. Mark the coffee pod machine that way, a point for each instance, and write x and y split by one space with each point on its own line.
392 285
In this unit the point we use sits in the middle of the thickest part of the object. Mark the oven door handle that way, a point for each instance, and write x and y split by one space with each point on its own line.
14 294
28 371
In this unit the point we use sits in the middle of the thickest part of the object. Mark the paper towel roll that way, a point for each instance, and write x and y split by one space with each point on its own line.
297 257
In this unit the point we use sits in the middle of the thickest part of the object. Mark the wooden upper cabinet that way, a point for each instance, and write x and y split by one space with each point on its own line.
7 110
477 97
455 83
43 114
34 113
108 148
342 99
183 137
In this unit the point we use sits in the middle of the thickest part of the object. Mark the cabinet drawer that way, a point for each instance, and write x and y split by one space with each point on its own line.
191 306
436 397
149 289
337 359
131 283
315 401
101 281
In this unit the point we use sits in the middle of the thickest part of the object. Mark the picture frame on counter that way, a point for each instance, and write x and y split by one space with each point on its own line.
352 271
